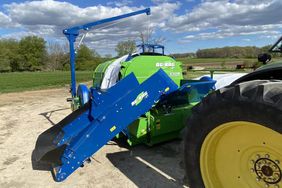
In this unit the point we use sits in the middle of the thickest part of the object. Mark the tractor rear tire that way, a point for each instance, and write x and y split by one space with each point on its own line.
234 137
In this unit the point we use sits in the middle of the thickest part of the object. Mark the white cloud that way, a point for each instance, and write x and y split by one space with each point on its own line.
227 19
224 18
4 20
246 40
49 17
224 32
120 3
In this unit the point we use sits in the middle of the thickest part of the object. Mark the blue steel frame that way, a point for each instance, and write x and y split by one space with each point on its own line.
109 114
73 32
151 46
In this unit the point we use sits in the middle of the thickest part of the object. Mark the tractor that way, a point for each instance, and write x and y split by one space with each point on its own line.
232 136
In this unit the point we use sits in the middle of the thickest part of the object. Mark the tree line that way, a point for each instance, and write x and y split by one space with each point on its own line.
33 53
233 52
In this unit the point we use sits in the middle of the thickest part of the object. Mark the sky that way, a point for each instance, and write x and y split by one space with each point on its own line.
184 25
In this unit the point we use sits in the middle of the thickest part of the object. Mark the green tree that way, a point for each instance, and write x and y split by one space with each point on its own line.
87 59
9 57
125 47
32 51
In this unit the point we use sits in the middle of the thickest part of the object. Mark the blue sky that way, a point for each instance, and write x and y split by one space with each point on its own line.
182 26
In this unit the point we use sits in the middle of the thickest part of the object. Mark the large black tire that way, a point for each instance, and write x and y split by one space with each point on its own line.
258 101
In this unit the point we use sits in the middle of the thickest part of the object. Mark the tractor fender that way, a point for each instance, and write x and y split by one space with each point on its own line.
267 72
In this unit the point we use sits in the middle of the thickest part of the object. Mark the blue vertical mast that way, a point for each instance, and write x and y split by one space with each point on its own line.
73 32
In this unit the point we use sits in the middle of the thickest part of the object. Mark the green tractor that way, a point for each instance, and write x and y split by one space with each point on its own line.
234 135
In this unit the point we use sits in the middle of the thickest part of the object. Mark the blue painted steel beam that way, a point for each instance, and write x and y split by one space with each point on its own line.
151 46
73 32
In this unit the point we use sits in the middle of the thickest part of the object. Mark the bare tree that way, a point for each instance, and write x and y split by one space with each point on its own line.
57 56
148 37
125 47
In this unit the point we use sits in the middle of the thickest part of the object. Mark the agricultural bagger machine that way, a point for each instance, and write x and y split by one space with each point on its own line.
233 137
140 96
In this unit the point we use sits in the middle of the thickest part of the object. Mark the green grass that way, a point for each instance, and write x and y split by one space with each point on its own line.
24 81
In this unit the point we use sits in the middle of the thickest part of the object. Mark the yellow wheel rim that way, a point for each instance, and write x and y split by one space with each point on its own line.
242 154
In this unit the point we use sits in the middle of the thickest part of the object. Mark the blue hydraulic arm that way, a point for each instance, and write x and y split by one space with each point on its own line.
73 32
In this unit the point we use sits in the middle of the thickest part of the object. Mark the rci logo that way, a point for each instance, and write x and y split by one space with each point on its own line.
139 98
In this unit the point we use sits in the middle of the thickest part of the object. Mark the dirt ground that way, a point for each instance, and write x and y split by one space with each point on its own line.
23 116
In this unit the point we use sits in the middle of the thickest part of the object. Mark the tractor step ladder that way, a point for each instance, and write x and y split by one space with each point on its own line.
67 145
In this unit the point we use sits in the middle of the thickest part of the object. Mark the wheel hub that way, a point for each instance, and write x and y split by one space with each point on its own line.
267 170
254 160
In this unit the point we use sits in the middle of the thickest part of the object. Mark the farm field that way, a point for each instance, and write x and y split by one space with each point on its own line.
24 81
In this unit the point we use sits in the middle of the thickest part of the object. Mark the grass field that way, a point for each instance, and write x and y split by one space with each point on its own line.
23 81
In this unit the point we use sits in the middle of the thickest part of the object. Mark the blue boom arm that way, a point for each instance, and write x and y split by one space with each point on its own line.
73 32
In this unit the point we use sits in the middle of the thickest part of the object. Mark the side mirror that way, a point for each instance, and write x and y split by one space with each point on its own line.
264 58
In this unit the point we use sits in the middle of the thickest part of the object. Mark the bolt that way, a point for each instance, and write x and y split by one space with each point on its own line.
277 161
258 178
276 186
267 156
252 161
276 175
258 156
252 170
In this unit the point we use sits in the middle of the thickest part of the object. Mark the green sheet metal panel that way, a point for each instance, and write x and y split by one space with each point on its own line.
156 126
167 126
144 66
98 74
